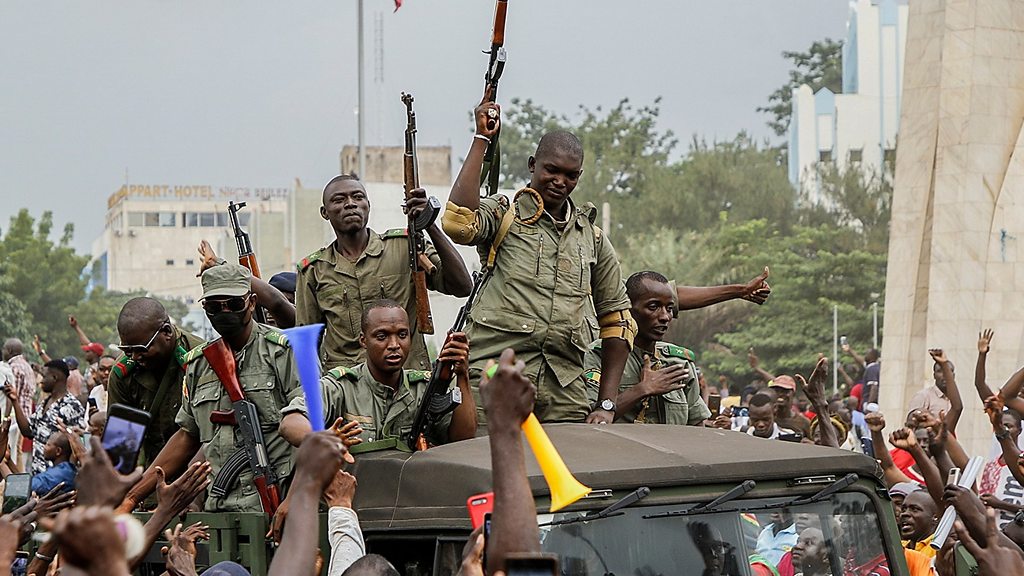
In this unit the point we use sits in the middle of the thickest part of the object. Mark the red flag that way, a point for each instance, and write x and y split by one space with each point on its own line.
398 4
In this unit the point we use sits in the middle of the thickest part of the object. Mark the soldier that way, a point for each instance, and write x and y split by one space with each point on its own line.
551 270
266 371
659 384
382 397
336 282
148 374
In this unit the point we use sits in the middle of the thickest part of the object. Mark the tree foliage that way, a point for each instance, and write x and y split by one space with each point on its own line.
819 67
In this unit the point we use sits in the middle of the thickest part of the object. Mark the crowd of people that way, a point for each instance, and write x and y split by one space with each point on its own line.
573 339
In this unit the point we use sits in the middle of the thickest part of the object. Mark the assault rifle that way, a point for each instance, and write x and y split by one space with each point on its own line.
439 400
418 261
246 257
495 66
252 449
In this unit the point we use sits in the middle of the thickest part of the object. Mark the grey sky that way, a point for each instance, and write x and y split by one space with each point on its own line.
245 93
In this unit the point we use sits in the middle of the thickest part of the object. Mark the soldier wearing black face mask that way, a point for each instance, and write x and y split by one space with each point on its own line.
266 371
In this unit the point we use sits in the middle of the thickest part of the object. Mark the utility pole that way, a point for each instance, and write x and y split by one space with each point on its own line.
835 349
361 111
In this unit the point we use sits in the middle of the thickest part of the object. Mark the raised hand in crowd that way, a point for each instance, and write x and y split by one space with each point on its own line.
995 556
473 554
181 552
906 439
317 461
89 539
98 482
78 451
173 500
952 391
814 389
23 517
508 399
54 501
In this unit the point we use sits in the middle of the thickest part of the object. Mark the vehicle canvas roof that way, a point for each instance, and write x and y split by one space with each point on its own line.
429 489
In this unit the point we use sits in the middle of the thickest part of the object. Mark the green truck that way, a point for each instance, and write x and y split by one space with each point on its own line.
666 500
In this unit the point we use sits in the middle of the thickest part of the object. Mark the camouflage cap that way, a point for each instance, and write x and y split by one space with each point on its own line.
227 279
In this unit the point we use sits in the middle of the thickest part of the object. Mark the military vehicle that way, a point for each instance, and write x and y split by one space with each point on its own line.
665 500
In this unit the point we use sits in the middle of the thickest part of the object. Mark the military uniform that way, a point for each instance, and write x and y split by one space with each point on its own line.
136 387
683 406
269 379
550 283
353 394
333 290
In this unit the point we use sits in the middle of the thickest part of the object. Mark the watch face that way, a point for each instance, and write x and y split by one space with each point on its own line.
607 405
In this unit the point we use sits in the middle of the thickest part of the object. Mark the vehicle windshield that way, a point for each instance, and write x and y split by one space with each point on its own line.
759 537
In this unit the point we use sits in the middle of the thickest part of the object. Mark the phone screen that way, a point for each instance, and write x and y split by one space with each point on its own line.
16 491
714 403
487 534
122 440
544 565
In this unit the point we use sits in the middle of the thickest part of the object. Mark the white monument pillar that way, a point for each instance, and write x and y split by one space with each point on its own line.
956 260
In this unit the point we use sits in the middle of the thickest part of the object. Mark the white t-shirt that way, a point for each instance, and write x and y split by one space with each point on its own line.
997 480
99 393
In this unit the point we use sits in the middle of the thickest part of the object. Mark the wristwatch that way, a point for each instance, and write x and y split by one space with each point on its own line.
606 405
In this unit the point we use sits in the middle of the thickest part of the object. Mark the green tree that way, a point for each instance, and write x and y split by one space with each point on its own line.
44 276
97 314
819 67
14 319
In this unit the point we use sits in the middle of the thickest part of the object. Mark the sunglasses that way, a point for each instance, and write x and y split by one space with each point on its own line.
233 304
130 349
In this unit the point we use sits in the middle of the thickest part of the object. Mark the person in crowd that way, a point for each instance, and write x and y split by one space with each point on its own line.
934 399
918 518
148 374
336 283
24 386
870 380
284 282
762 417
778 537
264 363
76 382
58 407
57 451
101 379
784 387
658 383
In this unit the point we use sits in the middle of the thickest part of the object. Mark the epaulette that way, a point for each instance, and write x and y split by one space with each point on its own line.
342 372
593 376
305 262
418 375
590 211
677 351
191 355
277 337
123 367
396 233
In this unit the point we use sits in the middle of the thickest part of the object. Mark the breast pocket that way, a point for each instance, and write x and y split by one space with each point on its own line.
205 400
393 286
260 388
337 303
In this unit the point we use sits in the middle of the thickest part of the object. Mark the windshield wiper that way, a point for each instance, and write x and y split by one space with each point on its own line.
734 493
826 491
612 510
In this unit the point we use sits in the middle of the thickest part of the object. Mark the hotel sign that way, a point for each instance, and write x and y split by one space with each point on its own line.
195 192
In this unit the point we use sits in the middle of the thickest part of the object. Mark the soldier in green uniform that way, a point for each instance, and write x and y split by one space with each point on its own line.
382 397
266 371
335 283
148 374
554 282
659 383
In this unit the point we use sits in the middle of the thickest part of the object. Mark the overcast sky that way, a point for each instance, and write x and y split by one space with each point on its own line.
242 93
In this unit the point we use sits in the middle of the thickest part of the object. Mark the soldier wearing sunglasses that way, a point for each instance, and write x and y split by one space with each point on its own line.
148 374
267 373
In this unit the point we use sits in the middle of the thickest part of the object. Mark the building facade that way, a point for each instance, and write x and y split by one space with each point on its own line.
859 126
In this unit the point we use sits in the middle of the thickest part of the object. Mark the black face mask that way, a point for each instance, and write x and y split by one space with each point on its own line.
228 324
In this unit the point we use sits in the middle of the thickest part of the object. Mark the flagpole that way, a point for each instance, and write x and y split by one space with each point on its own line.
361 118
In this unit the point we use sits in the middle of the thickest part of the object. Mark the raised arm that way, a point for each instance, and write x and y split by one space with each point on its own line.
984 344
891 474
1007 443
755 364
1010 392
693 297
847 349
466 190
814 389
78 330
956 404
905 439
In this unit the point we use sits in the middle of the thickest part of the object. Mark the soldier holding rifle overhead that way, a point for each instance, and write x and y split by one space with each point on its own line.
338 281
549 264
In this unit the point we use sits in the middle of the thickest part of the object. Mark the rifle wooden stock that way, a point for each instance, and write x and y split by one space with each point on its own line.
222 360
498 35
246 256
424 319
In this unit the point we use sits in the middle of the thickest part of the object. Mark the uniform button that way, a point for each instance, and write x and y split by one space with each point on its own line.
484 319
524 326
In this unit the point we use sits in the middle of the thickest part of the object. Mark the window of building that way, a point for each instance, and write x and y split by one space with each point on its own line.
190 262
824 155
136 218
207 219
856 155
168 218
189 219
169 262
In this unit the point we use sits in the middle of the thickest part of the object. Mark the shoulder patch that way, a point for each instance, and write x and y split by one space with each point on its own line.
341 372
418 375
277 337
593 376
305 262
123 367
192 355
396 233
677 351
